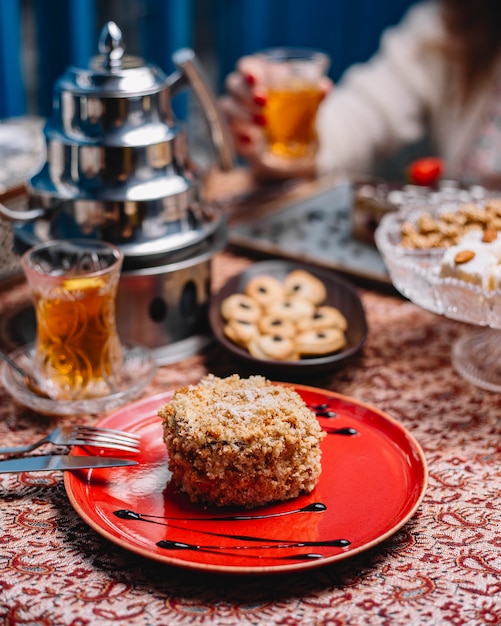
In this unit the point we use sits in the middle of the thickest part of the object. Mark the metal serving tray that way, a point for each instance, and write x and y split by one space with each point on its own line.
315 229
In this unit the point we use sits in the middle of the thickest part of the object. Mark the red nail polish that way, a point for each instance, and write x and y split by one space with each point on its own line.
259 119
242 138
260 100
251 79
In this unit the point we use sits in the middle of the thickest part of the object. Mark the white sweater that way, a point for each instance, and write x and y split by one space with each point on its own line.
394 98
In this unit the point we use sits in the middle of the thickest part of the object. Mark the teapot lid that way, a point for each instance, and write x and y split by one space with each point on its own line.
112 73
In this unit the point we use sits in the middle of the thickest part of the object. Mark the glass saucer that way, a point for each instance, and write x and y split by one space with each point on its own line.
476 356
138 369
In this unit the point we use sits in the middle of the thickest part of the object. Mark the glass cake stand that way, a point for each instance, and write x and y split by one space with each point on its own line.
476 355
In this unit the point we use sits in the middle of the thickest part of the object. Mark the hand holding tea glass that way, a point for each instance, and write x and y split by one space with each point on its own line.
271 106
73 283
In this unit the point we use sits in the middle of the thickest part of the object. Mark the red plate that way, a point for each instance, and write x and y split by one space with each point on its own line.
373 478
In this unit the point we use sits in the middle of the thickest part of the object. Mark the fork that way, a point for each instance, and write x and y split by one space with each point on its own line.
83 436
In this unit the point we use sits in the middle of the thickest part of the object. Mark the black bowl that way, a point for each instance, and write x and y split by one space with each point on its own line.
340 294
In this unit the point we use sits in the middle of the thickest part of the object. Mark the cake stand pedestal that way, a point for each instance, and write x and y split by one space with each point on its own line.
476 356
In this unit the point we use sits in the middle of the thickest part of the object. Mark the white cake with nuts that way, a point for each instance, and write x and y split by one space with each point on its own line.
241 442
476 259
470 237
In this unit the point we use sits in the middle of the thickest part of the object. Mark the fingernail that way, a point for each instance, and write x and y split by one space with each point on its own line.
260 100
251 79
243 138
259 119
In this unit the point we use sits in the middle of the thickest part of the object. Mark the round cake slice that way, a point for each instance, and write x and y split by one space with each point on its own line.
241 442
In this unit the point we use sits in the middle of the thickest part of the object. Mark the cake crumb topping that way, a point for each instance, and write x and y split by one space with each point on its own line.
241 441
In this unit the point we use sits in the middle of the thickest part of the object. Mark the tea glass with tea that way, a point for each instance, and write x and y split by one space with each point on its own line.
292 78
78 353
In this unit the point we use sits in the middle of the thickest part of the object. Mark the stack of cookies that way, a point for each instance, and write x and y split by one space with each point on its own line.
284 321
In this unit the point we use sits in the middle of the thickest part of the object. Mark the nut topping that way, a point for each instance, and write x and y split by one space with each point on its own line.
463 256
489 235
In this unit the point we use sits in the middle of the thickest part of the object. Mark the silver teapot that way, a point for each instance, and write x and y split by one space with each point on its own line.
117 164
118 169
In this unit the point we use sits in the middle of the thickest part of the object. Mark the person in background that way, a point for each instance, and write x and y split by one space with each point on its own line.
436 74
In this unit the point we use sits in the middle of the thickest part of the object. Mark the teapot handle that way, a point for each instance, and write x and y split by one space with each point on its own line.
27 215
187 63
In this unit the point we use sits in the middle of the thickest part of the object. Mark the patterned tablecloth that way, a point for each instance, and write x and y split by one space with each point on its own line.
442 567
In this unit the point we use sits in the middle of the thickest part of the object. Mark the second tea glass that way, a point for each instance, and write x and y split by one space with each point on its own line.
293 79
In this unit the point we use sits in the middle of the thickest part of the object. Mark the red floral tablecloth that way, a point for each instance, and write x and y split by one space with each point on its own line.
442 567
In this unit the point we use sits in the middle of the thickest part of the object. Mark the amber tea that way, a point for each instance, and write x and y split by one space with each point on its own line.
77 350
293 80
290 119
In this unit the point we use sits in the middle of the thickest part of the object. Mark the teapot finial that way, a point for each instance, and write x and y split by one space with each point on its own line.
111 45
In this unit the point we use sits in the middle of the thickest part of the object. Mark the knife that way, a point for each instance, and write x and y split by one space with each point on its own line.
44 463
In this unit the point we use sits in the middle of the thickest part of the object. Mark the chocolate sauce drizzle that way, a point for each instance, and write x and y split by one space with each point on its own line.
268 543
348 431
228 551
324 410
314 507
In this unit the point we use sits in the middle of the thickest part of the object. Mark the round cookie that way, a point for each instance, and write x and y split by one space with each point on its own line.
293 309
273 347
324 317
264 289
304 285
240 331
319 342
276 325
241 307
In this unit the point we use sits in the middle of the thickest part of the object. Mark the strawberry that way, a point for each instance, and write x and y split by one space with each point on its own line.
425 171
